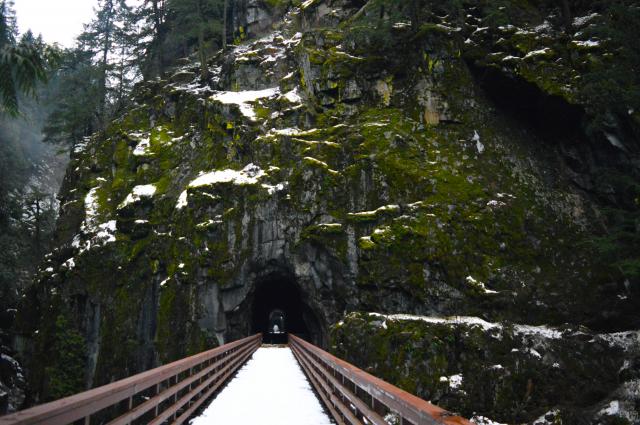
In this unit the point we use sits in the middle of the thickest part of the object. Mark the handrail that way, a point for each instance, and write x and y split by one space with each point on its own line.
177 388
353 396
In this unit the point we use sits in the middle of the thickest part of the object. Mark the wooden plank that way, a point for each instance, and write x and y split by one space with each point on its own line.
371 415
321 389
164 395
187 397
78 406
187 414
337 402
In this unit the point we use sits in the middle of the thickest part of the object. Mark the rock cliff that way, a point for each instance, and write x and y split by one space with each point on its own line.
372 168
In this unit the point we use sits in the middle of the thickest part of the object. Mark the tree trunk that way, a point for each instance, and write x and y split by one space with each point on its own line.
106 47
224 24
158 51
204 69
567 16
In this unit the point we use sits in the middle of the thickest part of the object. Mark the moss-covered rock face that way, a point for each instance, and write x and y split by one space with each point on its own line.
354 156
512 373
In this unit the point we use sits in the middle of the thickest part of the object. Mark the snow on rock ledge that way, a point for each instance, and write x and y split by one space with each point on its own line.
137 194
248 175
244 98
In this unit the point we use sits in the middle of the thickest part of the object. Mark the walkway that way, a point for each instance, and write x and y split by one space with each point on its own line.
270 389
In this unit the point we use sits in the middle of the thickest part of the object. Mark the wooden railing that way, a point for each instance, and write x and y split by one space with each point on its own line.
353 396
167 394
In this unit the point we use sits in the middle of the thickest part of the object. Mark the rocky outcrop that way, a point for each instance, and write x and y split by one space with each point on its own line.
507 372
345 161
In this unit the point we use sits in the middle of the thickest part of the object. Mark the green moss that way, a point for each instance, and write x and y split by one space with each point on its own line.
65 371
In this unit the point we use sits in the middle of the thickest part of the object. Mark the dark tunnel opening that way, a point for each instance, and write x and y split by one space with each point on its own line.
552 117
278 301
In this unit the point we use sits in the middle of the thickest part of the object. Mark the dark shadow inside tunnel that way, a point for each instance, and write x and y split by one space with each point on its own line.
278 309
551 116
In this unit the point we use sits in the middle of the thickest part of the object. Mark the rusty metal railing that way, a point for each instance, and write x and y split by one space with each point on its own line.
167 394
353 396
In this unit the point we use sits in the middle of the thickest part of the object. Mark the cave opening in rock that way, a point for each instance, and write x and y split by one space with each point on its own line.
552 117
277 301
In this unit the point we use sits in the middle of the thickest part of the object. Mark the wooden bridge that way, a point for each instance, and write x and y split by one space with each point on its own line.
177 392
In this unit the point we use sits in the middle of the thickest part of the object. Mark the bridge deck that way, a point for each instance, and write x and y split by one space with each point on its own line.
269 389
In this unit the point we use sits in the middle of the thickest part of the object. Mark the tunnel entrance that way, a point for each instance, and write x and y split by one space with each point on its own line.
278 309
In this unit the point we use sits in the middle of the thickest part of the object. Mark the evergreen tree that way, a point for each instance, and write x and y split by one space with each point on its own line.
196 25
74 98
23 63
96 77
98 38
151 37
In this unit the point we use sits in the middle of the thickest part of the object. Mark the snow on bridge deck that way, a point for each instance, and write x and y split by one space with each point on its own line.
270 389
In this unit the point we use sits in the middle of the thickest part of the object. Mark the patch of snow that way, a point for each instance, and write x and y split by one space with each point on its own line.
69 264
100 235
381 231
293 96
392 418
208 223
91 209
285 131
541 331
613 408
106 232
511 58
586 44
541 52
455 381
400 25
583 20
366 239
81 146
548 418
495 204
626 340
293 41
483 420
476 139
534 353
247 176
545 26
142 148
613 139
279 393
467 320
138 193
244 98
273 189
164 282
480 285
182 200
